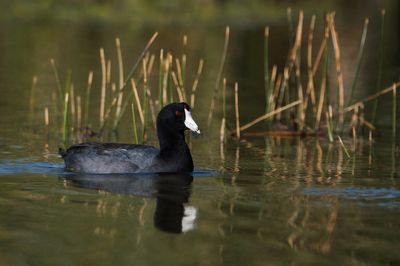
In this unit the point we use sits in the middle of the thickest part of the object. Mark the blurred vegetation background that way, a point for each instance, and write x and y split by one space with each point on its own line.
135 13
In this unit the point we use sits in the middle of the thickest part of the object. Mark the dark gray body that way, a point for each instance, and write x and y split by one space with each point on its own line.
106 158
109 158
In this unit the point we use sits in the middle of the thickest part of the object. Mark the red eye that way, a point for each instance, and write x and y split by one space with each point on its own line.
177 113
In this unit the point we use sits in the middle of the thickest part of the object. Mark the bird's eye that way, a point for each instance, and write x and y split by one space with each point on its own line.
178 113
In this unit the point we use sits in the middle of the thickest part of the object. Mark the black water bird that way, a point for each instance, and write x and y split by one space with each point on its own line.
172 156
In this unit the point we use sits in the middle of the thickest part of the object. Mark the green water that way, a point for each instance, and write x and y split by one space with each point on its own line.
259 201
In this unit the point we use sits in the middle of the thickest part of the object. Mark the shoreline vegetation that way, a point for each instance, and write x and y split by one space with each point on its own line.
297 101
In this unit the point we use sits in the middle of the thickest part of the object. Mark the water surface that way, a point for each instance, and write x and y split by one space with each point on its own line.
258 201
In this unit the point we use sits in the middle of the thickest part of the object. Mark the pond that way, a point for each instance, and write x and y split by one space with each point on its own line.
253 201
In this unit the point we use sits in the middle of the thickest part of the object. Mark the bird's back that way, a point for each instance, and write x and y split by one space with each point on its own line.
106 158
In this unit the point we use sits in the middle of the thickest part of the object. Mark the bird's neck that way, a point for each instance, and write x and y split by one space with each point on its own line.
173 148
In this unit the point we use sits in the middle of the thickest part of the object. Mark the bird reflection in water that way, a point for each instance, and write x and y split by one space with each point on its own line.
171 191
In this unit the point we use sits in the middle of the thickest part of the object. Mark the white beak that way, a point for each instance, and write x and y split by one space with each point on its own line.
189 122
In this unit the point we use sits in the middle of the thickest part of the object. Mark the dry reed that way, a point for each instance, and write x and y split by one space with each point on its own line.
237 110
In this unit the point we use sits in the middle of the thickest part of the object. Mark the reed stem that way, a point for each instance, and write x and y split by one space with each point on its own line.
65 123
380 64
344 147
185 41
266 70
145 102
103 85
371 97
394 116
121 76
359 58
87 98
268 115
161 79
137 99
223 122
310 84
339 73
78 112
237 110
55 71
135 134
196 82
46 116
290 26
128 77
329 127
219 76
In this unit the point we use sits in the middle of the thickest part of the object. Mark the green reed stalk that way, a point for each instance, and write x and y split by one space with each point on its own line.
32 97
223 122
134 123
161 79
323 85
103 87
266 70
73 106
65 123
121 78
55 71
380 65
145 102
219 76
329 123
344 147
237 110
87 98
127 79
185 40
145 114
394 116
196 82
290 26
359 58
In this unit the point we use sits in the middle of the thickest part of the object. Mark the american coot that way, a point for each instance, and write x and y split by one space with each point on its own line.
173 155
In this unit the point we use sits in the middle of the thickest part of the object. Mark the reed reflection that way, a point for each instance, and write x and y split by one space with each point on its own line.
171 191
